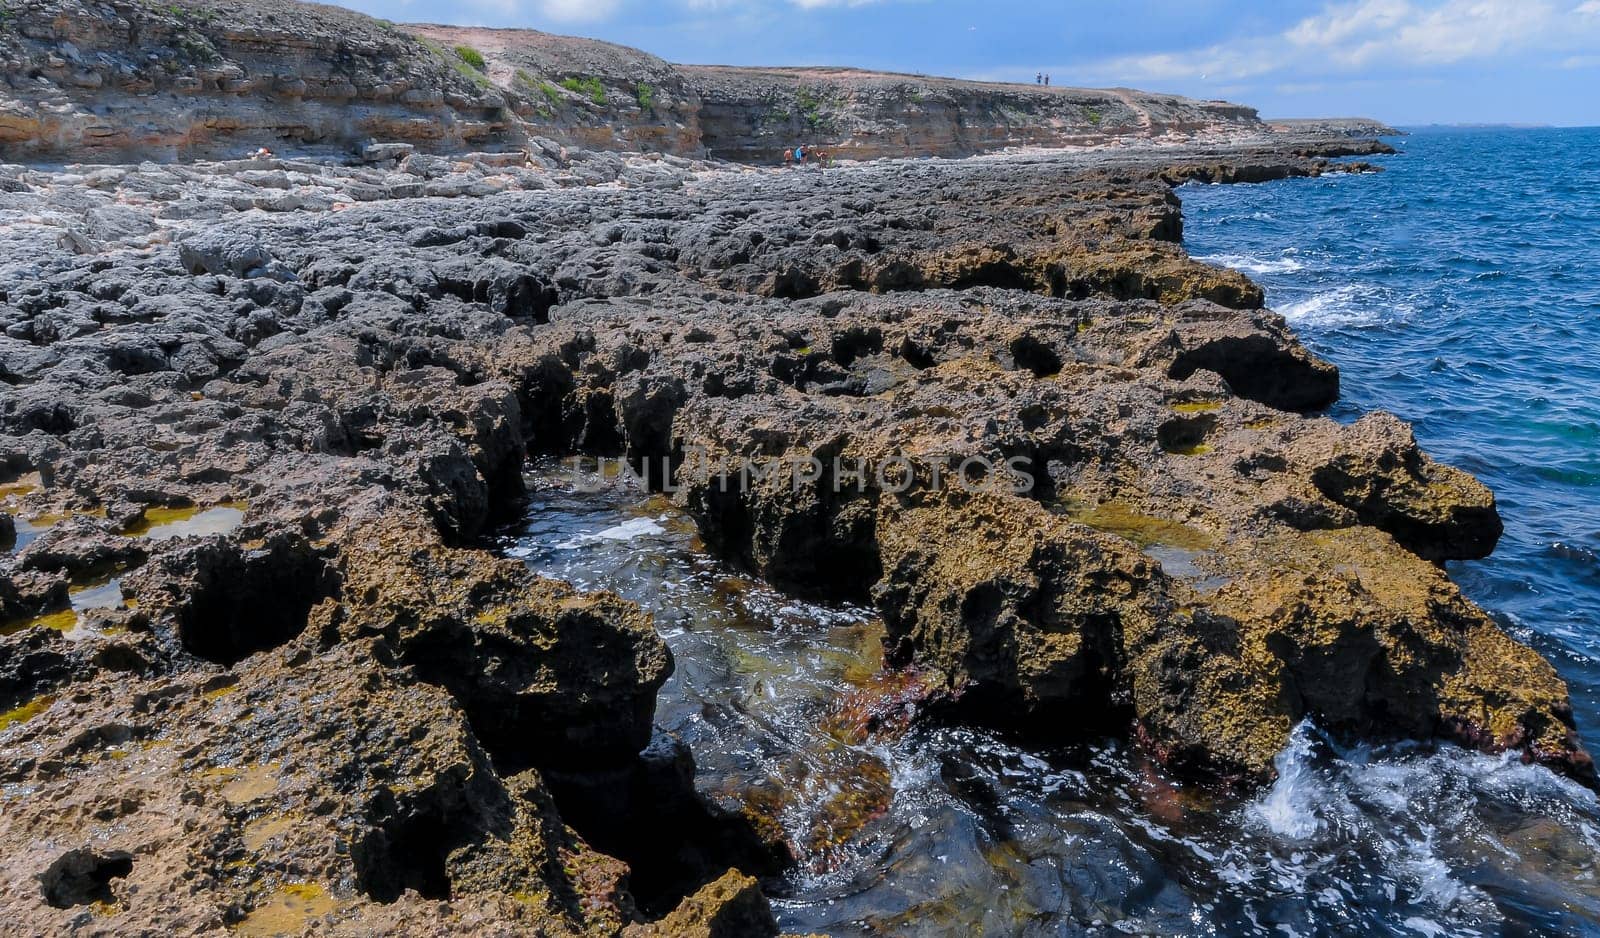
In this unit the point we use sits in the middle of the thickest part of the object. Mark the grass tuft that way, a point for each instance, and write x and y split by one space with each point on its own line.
588 87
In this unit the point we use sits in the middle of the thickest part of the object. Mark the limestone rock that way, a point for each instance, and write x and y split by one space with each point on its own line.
731 907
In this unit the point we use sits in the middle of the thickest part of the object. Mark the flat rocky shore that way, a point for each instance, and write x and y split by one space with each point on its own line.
259 671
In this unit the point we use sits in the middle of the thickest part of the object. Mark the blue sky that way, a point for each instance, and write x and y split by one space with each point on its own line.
1404 61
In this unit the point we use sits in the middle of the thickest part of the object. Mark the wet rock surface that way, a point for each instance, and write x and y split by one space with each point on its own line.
262 673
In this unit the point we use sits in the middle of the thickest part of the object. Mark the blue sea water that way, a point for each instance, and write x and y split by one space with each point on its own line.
1460 289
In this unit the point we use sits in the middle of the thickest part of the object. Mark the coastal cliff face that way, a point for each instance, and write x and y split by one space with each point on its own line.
747 114
197 78
190 78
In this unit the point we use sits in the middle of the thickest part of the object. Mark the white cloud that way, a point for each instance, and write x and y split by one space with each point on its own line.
593 11
578 11
1362 35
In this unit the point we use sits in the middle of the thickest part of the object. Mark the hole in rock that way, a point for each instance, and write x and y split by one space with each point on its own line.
1035 356
244 603
855 343
916 354
794 285
1185 436
406 852
1058 282
649 816
1001 274
1257 369
82 876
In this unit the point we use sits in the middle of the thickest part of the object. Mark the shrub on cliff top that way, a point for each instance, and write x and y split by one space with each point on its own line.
455 60
472 57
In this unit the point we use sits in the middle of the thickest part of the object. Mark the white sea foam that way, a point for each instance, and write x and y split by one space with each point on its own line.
1416 810
1349 305
1249 264
1290 807
629 530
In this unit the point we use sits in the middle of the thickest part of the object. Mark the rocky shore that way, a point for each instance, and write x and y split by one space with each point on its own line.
259 670
260 674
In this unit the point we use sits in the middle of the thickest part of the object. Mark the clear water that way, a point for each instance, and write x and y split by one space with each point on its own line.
1460 290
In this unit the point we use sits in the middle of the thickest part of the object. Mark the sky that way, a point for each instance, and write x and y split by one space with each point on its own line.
1408 62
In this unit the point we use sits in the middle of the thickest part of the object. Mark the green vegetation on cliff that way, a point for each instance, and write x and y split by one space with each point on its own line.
590 88
472 57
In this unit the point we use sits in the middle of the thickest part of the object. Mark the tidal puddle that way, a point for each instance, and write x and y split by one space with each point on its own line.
941 830
101 594
290 910
160 524
29 527
104 593
64 620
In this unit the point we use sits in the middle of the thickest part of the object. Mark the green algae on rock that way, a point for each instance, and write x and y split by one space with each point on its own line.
290 910
26 712
1126 521
64 620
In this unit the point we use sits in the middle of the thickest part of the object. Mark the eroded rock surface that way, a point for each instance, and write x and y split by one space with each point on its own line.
258 670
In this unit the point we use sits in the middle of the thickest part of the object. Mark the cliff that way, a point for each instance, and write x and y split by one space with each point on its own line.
746 113
196 79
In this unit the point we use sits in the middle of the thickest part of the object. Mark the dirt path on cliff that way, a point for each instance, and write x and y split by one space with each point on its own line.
1145 123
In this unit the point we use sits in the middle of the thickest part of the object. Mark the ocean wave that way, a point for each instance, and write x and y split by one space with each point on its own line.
1422 814
1258 266
1349 305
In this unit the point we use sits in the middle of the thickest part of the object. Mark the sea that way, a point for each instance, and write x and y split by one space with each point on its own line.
1460 289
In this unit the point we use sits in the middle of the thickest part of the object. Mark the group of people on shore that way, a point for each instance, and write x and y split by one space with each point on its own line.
803 155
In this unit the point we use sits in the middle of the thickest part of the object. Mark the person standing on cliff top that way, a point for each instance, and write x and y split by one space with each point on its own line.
1047 81
1038 78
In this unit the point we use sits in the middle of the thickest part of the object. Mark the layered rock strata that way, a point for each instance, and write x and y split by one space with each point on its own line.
127 80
